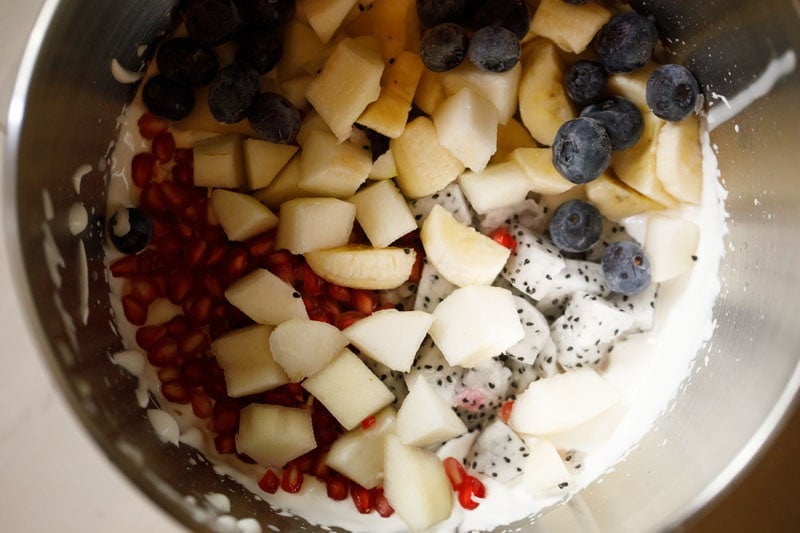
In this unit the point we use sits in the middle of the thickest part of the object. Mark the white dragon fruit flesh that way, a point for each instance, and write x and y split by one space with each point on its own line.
527 213
574 459
498 453
484 389
641 307
612 232
546 364
450 197
393 379
577 276
522 375
535 264
431 364
536 328
431 289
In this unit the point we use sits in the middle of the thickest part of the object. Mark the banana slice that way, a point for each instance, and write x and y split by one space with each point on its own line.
362 267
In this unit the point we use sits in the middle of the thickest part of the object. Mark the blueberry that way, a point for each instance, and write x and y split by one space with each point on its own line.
232 92
494 49
130 230
260 48
576 226
586 82
211 22
625 268
444 47
626 42
510 14
621 118
183 60
270 14
672 92
435 12
274 118
581 150
167 98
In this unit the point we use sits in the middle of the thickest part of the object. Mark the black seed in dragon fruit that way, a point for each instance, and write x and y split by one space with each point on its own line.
431 364
393 379
641 307
498 453
577 276
522 375
546 364
402 297
483 390
536 328
574 459
450 197
431 289
612 232
527 213
535 264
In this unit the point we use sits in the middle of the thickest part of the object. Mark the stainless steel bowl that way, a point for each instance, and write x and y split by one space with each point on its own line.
63 115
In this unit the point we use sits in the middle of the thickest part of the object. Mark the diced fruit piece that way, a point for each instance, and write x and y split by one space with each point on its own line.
584 276
361 267
389 113
416 485
537 331
273 435
432 288
632 85
626 267
461 254
679 159
550 202
572 27
498 453
359 453
390 337
671 246
303 347
498 185
218 162
308 224
247 361
284 187
382 213
562 402
467 126
543 102
537 163
430 92
483 390
424 166
350 80
527 213
475 324
511 136
240 215
263 160
425 418
616 201
383 168
545 472
266 298
348 389
501 89
393 22
641 307
325 16
301 47
431 364
330 168
450 197
533 267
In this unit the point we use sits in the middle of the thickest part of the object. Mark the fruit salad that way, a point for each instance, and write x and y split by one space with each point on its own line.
390 257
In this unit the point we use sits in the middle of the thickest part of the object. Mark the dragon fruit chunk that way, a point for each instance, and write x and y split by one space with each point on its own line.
522 374
574 460
537 331
527 213
612 232
583 276
450 197
431 289
546 364
431 364
535 264
641 307
484 389
498 453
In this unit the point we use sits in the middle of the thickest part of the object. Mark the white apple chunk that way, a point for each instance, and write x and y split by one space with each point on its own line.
394 23
500 88
349 389
325 16
284 187
461 254
510 136
416 485
545 473
679 159
476 323
425 418
266 298
301 47
537 164
616 201
359 453
308 224
572 27
240 215
499 185
383 214
218 162
331 168
273 435
562 402
247 361
390 336
466 124
303 347
671 246
263 160
430 92
384 167
362 267
311 122
389 113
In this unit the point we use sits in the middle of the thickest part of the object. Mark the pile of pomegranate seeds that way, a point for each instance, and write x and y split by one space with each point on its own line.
465 485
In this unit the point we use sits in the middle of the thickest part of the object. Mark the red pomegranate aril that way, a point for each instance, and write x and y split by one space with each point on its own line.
180 284
126 267
213 287
193 342
502 237
193 213
162 283
320 315
225 443
144 290
195 372
168 248
184 155
151 125
269 482
176 199
226 416
505 410
329 305
284 271
416 268
455 472
279 257
184 173
325 426
369 422
292 478
202 404
184 230
148 336
143 169
337 488
348 318
196 253
281 396
363 300
176 392
381 503
152 199
338 293
362 498
465 497
163 146
262 245
147 261
164 353
320 470
168 374
199 312
135 311
216 254
176 326
235 264
312 284
477 487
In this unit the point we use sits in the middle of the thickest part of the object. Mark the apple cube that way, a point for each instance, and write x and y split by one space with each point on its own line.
615 200
273 435
476 323
325 16
266 298
384 167
537 163
285 186
389 113
430 92
302 347
309 224
348 389
467 126
391 337
295 91
671 245
311 122
218 162
497 186
572 27
240 215
329 168
679 159
247 361
425 418
361 267
263 160
510 136
393 22
383 213
301 47
544 473
501 89
359 453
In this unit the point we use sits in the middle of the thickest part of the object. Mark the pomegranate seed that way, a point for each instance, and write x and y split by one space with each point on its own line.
348 318
292 479
269 482
381 503
235 264
180 283
193 342
178 325
151 198
168 248
176 392
164 353
416 268
280 257
175 198
199 311
195 372
478 489
144 291
162 284
202 404
329 305
225 443
193 213
183 173
320 470
455 472
502 237
135 311
262 245
362 498
213 287
216 254
281 396
127 267
196 253
320 315
368 422
148 336
169 373
505 410
325 426
337 488
184 230
387 305
184 155
143 169
338 293
226 416
312 284
147 261
364 301
465 497
163 146
409 239
151 125
283 271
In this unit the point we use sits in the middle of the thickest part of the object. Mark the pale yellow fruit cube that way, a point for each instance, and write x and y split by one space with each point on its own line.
285 186
219 162
325 16
273 435
241 216
615 200
572 27
263 160
537 163
329 168
309 224
389 113
247 361
383 213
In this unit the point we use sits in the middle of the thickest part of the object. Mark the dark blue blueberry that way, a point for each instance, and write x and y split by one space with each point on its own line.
435 12
672 92
444 47
621 118
130 230
494 49
183 60
586 82
625 268
626 42
581 150
211 22
260 48
167 98
232 92
510 14
576 226
270 14
274 118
